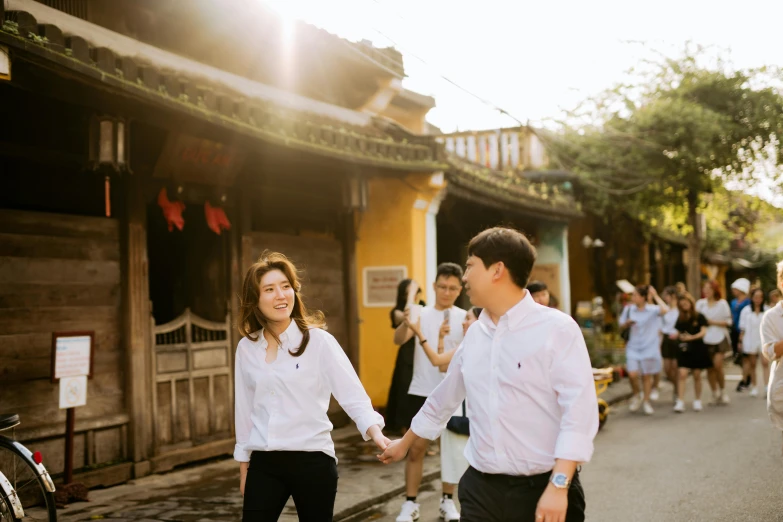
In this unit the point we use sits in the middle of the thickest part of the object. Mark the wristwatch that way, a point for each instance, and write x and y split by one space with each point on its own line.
560 480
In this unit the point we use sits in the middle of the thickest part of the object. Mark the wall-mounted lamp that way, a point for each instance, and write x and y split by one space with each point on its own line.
356 193
109 143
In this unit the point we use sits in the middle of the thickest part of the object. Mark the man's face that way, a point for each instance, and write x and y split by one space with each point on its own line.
447 290
478 281
736 293
541 297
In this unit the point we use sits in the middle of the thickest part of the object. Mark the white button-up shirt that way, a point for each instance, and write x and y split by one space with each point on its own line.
530 390
282 406
719 311
772 333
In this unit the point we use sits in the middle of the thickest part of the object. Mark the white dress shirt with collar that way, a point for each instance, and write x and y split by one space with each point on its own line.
772 333
530 389
281 406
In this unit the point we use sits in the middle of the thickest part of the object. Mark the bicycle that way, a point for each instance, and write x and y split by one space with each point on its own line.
26 489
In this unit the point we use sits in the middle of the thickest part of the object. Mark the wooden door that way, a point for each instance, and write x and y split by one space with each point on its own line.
193 394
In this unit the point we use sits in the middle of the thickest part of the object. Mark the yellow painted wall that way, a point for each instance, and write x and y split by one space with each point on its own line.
391 232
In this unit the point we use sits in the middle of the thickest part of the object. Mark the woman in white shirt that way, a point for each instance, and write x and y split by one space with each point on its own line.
750 336
287 367
669 346
718 315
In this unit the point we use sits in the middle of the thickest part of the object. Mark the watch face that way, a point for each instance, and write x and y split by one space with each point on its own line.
560 480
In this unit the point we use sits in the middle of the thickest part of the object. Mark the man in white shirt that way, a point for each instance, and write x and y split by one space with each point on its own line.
531 396
772 349
426 377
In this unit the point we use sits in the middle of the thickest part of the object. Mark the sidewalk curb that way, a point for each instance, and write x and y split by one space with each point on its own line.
619 398
357 511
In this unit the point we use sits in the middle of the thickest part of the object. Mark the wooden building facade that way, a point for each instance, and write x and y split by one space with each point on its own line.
217 167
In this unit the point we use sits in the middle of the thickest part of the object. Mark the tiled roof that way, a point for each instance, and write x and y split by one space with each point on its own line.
492 187
241 105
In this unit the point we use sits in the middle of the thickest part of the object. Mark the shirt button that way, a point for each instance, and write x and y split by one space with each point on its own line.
272 393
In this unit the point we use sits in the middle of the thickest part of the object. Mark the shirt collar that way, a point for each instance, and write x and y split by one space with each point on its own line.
514 316
292 336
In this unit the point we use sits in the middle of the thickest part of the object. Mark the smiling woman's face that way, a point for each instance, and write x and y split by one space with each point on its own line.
276 296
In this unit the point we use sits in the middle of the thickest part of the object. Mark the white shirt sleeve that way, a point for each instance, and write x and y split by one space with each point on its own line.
624 315
768 336
743 320
243 405
442 402
347 388
572 380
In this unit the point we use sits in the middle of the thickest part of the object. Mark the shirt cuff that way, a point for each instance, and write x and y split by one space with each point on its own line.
365 422
241 454
425 428
574 446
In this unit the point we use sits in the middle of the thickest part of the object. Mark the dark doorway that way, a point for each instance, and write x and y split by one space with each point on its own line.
188 268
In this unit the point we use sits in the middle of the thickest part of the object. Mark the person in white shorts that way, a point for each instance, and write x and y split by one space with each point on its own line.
453 463
642 351
750 337
718 339
441 320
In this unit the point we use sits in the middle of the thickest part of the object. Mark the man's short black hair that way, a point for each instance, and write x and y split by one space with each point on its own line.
536 286
508 246
449 270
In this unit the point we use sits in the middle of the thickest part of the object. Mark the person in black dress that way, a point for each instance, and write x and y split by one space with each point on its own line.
398 415
692 353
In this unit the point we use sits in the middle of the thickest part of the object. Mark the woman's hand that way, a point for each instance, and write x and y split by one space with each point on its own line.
394 452
674 336
378 437
445 330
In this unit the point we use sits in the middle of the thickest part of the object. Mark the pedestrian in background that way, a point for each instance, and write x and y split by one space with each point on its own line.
693 355
398 413
453 463
718 314
739 289
441 318
539 292
670 346
750 337
287 369
642 351
772 350
774 298
526 374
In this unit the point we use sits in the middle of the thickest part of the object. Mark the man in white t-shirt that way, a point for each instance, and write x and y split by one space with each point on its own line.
426 377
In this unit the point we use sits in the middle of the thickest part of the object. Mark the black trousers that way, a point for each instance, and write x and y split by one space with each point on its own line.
503 498
275 476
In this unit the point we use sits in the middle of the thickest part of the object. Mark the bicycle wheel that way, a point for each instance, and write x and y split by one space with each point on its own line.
30 482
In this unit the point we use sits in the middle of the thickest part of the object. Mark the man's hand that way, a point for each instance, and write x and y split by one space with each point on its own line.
552 505
395 451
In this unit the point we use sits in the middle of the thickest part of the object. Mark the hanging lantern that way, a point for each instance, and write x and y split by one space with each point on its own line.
109 143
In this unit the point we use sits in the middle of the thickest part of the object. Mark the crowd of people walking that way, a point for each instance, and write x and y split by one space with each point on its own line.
680 337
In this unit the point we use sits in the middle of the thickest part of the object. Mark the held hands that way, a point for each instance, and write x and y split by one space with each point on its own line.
395 451
674 336
378 437
552 505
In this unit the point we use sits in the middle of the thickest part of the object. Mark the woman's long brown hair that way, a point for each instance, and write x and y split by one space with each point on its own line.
251 320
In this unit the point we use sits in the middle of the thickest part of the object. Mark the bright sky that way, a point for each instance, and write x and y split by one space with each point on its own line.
534 58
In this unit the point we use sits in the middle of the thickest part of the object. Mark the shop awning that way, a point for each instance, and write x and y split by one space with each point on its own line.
96 55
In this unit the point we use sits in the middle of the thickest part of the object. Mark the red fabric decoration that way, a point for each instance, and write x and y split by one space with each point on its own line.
172 210
216 218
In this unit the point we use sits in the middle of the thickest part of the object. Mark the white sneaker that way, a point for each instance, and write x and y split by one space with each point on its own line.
679 406
648 409
636 403
409 512
654 394
696 405
448 510
754 392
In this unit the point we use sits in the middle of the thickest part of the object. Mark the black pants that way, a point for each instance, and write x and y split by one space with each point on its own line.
502 498
275 476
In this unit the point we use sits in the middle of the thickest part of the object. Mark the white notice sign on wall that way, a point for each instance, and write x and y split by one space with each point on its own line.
73 392
72 356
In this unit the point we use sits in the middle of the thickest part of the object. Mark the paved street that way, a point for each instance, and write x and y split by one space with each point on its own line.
723 464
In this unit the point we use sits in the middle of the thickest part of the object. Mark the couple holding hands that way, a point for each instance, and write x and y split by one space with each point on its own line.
523 368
